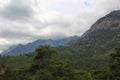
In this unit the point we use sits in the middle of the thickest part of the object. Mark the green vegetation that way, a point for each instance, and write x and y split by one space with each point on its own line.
45 66
52 64
115 65
48 63
113 70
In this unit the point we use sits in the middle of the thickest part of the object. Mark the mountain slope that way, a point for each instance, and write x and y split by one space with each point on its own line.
105 32
30 47
96 44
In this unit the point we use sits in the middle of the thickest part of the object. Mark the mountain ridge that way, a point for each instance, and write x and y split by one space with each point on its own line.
107 20
102 36
30 47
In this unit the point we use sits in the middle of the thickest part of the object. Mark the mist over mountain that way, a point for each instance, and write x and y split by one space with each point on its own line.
30 47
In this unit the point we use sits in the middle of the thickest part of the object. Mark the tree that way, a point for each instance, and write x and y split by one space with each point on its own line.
46 66
115 65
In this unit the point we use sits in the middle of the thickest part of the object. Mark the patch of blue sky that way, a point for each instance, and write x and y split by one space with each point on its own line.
87 4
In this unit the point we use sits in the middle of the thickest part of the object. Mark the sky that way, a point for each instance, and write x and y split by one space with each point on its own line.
23 21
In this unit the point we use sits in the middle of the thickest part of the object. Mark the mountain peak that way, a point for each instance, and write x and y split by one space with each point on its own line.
117 12
106 31
111 19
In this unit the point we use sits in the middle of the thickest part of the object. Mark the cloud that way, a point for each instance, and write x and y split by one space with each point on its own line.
14 34
17 10
22 21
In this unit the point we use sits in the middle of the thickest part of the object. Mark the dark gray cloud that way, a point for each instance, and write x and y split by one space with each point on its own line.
59 23
7 34
17 10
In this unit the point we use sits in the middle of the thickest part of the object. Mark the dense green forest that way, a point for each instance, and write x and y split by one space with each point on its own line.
62 63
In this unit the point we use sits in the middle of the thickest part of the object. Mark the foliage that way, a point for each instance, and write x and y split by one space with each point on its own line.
113 71
46 66
115 65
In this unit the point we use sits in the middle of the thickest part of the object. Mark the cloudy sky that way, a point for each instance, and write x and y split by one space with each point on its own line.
23 21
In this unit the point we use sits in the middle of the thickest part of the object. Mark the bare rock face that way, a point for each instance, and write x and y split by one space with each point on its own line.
112 19
109 22
105 25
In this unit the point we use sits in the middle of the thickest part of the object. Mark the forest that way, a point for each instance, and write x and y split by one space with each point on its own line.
48 63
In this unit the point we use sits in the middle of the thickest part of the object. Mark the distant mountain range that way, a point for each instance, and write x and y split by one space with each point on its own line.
30 47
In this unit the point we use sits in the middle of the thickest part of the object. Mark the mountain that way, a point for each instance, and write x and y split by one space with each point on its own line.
95 45
30 47
104 33
9 49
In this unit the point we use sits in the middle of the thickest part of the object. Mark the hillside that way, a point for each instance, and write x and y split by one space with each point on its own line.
105 33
